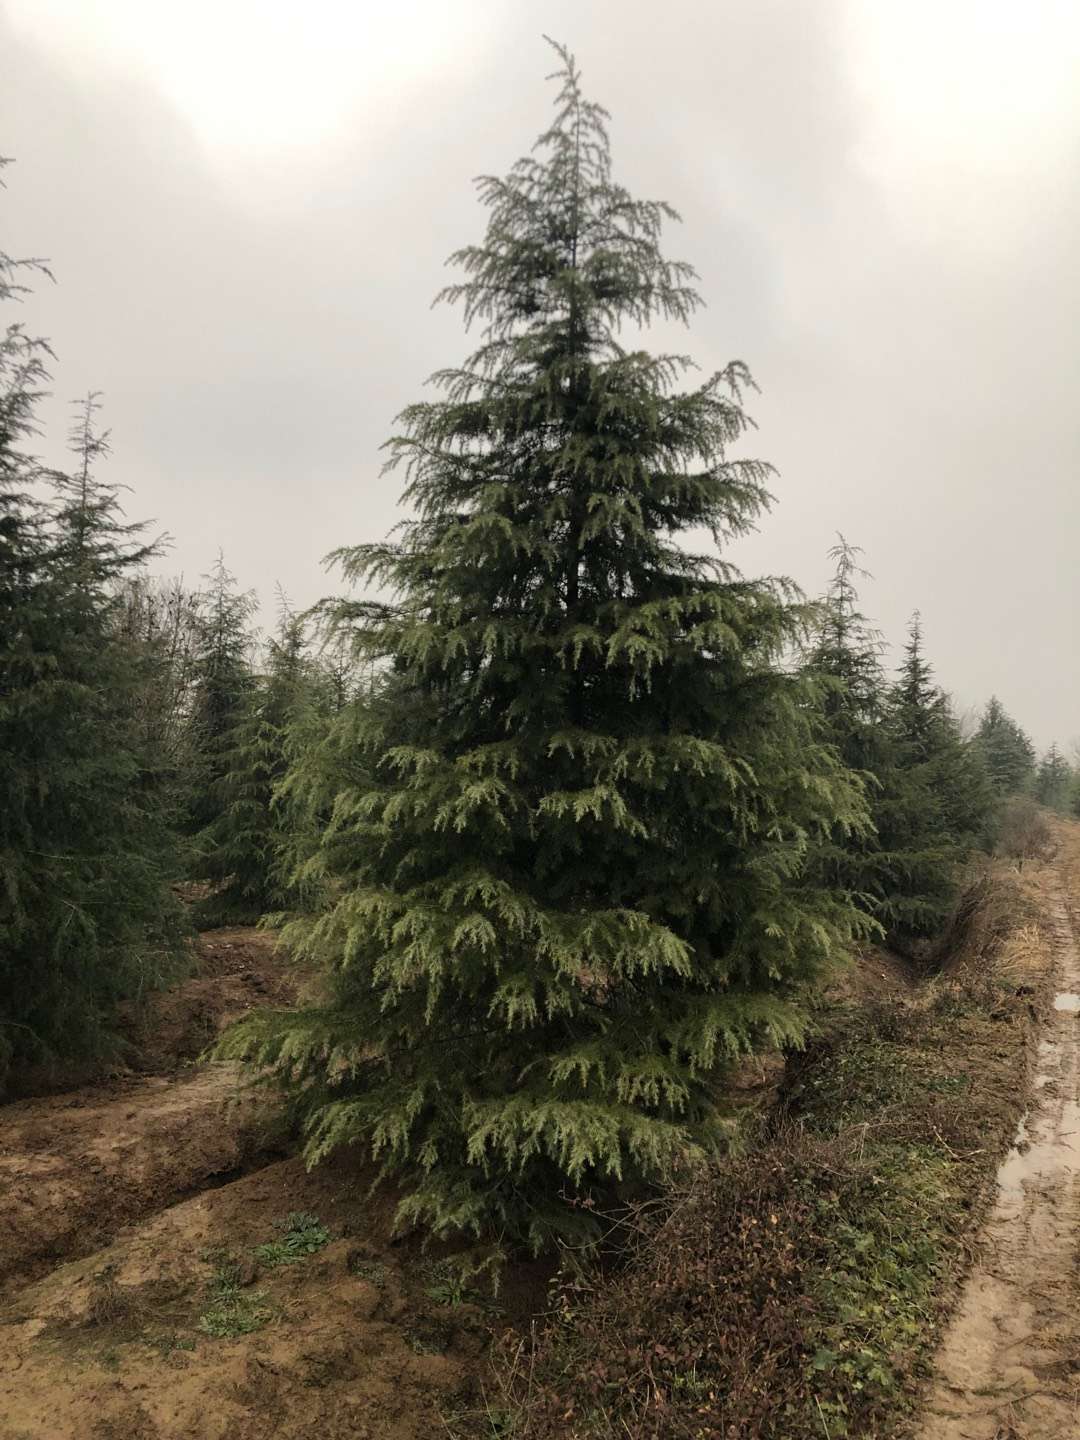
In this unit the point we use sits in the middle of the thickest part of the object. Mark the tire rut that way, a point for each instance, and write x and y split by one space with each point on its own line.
1009 1364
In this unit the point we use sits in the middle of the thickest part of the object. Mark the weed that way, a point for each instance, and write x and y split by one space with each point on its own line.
453 1281
302 1235
232 1311
448 1283
373 1271
170 1344
427 1338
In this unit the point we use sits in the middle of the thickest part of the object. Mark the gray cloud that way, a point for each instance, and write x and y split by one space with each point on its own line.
256 318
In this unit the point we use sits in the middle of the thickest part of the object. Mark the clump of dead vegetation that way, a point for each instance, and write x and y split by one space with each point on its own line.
1025 830
797 1288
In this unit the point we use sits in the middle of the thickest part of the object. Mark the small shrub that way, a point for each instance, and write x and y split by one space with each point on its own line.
1025 832
450 1282
111 1304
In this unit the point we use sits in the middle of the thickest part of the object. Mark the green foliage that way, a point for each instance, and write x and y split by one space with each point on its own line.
562 840
1008 754
221 688
243 849
935 805
232 1311
268 797
303 1235
929 799
1054 781
88 843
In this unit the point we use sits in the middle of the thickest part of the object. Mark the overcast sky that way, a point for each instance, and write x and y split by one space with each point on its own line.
247 205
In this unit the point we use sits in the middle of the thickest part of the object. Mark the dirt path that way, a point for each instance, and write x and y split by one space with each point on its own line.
1009 1367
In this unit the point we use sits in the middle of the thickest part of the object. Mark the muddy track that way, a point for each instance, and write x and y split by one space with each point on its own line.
1009 1366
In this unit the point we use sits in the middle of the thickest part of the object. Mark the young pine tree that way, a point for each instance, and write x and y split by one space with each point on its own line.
89 918
243 848
221 690
1053 782
1008 754
934 806
844 659
568 855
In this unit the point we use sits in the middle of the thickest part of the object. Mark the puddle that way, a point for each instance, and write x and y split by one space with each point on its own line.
1050 1063
1040 1156
1067 1000
1013 1168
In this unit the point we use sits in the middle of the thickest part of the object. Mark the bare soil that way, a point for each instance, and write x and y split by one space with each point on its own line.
76 1167
109 1347
120 1203
1009 1366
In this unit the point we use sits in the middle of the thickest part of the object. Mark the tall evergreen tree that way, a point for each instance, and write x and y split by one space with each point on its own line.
1053 781
934 807
1008 754
222 686
928 796
25 657
243 849
89 917
568 857
844 659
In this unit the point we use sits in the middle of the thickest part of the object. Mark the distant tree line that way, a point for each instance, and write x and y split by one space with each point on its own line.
569 814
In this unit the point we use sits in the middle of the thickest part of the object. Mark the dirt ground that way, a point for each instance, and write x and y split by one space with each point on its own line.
1009 1367
76 1166
125 1207
352 1344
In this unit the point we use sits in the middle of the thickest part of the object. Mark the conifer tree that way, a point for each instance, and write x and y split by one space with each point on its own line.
568 854
222 685
89 916
935 804
242 849
928 797
844 657
26 613
1008 754
1054 780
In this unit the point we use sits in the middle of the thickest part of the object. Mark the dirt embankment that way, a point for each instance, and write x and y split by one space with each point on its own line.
76 1166
361 1338
165 1275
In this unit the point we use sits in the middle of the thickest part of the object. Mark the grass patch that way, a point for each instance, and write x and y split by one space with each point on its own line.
232 1310
302 1235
